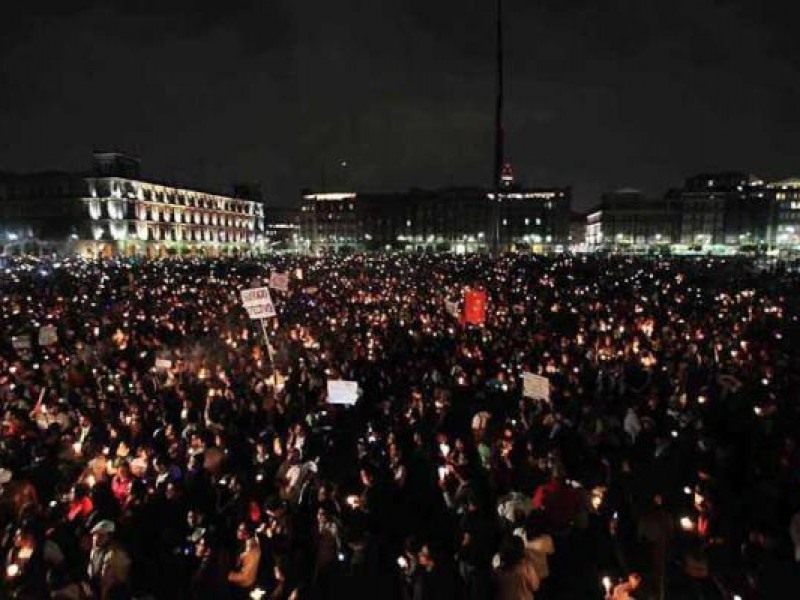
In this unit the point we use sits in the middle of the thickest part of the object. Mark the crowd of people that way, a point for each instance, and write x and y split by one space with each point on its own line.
157 442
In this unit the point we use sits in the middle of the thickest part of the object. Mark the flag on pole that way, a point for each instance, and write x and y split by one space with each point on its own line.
474 307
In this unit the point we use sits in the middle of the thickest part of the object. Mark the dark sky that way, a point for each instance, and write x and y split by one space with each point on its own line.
600 94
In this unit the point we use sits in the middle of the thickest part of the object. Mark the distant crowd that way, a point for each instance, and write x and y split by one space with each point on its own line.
157 442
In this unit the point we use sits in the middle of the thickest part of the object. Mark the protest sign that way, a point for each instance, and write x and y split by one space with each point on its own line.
535 387
279 281
452 308
341 391
47 335
258 303
163 364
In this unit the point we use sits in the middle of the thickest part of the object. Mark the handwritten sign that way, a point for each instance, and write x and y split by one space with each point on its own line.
535 387
258 303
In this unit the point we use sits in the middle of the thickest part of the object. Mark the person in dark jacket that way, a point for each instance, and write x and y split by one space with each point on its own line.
209 581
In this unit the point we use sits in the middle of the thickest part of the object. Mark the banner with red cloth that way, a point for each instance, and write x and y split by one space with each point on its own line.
474 307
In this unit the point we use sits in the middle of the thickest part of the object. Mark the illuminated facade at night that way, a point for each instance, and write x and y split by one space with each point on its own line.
713 213
786 214
453 220
729 209
627 221
115 212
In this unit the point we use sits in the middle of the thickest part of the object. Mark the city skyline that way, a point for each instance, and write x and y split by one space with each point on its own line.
595 99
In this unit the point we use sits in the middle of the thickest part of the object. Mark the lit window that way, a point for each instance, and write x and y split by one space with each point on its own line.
527 221
505 221
538 221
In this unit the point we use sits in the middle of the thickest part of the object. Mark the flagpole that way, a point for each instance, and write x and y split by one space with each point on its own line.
499 133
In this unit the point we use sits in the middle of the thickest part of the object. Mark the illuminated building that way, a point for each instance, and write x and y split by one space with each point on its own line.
626 221
282 228
113 211
785 230
577 231
724 209
328 221
713 213
452 219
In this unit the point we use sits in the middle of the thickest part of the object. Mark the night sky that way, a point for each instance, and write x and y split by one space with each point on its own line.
600 94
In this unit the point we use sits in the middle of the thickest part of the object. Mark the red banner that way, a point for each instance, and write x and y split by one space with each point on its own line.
474 307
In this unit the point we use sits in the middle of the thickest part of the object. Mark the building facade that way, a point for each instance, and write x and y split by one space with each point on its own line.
282 228
627 221
453 219
785 218
729 209
713 213
113 211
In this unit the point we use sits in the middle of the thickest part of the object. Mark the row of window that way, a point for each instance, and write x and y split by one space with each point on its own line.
149 232
124 209
125 189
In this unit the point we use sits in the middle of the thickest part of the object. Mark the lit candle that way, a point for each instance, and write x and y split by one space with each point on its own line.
606 581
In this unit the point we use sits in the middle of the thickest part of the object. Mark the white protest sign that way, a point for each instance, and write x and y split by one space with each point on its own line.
163 364
279 281
258 303
47 335
452 308
341 391
535 387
